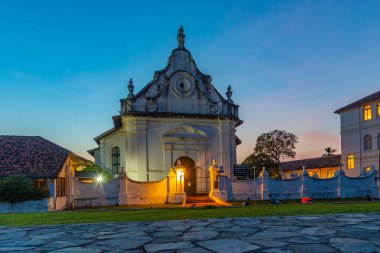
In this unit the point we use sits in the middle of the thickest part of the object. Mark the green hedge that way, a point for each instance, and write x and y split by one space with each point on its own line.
16 189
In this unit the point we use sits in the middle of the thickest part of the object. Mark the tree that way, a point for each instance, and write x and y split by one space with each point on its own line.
97 170
258 161
329 151
276 145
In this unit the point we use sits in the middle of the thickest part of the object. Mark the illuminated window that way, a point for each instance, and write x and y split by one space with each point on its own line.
378 109
350 162
330 174
311 174
368 169
115 160
367 112
367 142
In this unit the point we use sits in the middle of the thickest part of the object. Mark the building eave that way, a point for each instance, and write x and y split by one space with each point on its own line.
368 99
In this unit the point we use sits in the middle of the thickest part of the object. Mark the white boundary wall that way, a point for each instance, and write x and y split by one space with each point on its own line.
340 186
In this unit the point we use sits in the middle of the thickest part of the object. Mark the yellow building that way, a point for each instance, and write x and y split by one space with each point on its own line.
319 167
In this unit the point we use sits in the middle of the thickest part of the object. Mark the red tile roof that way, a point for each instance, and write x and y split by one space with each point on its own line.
318 162
31 156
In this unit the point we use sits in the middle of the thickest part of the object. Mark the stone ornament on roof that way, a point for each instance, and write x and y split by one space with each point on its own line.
229 93
130 88
181 38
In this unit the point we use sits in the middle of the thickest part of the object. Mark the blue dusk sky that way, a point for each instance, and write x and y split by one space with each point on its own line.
64 65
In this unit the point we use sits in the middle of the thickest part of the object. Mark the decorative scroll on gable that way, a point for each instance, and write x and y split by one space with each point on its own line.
180 89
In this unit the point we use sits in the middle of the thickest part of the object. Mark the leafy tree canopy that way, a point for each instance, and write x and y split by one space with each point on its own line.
258 161
277 145
270 149
97 170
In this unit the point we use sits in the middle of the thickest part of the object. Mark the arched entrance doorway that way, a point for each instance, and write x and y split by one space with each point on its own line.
190 176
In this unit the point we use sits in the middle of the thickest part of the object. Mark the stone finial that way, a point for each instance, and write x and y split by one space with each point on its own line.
229 93
130 88
181 38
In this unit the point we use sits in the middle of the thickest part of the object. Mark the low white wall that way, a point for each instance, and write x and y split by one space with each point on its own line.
58 203
339 186
25 206
95 194
144 193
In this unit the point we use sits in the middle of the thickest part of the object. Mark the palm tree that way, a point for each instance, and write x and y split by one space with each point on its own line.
329 151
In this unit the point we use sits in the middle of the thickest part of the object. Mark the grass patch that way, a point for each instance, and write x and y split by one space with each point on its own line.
118 214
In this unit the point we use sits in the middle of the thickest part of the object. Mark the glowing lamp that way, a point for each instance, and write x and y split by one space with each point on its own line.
99 178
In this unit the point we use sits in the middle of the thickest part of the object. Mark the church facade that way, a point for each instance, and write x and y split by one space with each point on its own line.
177 118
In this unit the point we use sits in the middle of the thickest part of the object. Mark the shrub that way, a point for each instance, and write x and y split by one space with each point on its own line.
15 189
39 194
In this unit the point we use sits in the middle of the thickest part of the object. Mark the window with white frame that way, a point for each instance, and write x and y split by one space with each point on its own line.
367 142
367 112
115 160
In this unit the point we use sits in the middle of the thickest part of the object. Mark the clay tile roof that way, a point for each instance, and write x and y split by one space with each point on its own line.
318 162
367 99
30 156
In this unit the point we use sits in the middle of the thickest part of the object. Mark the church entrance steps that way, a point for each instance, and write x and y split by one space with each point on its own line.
199 199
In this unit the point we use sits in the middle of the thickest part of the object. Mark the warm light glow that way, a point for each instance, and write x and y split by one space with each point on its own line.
99 178
378 109
330 174
367 112
368 169
311 173
180 174
350 162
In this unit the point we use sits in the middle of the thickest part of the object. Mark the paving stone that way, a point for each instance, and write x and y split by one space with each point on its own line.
167 234
304 239
273 234
12 236
329 233
229 245
180 227
56 245
154 247
78 249
23 243
121 235
369 227
311 248
267 243
167 239
277 250
199 236
356 247
193 250
318 231
346 240
126 243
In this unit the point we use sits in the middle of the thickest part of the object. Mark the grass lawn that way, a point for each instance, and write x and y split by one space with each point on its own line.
119 214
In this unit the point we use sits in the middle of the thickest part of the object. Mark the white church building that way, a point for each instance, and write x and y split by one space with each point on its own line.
178 117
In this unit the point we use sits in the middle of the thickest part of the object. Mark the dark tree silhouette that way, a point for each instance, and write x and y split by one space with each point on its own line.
276 145
329 151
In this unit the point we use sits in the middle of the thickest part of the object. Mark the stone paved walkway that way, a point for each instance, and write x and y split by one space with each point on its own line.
329 233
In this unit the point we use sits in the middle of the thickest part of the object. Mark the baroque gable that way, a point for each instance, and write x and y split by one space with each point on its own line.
179 89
